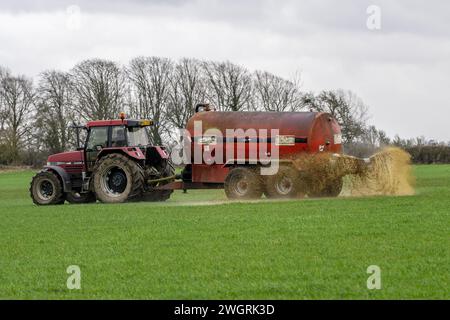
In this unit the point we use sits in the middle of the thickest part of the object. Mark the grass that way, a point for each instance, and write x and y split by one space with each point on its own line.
184 249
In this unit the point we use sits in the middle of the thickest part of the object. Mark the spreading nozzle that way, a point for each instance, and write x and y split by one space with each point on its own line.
345 164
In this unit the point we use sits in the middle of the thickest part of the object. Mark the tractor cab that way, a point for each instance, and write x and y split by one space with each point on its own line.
106 136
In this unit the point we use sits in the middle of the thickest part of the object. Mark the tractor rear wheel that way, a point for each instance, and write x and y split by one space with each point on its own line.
77 198
243 183
46 188
284 184
117 178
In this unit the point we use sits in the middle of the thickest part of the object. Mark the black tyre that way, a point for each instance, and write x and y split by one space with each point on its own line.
168 170
117 178
284 184
332 189
77 198
46 189
243 183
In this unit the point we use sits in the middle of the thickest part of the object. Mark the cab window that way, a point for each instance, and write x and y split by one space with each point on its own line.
137 136
98 136
118 138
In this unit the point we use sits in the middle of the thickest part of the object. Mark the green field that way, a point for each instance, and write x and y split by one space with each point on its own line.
186 249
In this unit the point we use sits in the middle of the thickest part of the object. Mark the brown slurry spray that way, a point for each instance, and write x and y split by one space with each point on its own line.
388 173
321 171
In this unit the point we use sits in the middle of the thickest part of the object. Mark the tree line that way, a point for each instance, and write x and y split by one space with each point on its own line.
35 116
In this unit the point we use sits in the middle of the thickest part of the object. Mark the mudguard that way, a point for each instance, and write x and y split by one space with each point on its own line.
156 155
64 176
162 152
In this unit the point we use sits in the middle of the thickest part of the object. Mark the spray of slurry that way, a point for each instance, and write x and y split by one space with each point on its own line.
387 172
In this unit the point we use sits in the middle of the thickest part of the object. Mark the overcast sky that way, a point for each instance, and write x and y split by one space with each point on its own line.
401 71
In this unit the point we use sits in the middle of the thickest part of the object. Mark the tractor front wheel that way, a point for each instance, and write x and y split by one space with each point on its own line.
243 183
46 188
118 178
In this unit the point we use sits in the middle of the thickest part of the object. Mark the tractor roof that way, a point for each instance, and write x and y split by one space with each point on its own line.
119 122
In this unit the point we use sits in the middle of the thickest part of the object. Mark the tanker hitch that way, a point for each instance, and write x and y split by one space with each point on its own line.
163 179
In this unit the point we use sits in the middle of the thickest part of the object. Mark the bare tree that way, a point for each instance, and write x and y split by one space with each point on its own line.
98 87
345 107
16 97
150 79
229 86
383 138
187 90
4 73
54 110
273 93
373 136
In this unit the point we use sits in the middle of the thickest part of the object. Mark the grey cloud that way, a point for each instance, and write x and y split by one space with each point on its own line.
399 70
415 16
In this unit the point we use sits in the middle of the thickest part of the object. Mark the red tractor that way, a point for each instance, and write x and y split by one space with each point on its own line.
116 164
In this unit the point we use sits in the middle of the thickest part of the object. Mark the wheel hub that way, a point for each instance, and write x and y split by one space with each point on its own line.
242 187
284 185
46 189
115 180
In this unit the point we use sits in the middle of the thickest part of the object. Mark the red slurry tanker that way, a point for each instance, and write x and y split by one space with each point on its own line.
117 163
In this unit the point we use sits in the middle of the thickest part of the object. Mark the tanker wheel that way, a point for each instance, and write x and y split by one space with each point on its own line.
46 188
168 170
332 189
284 184
117 179
243 183
77 198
